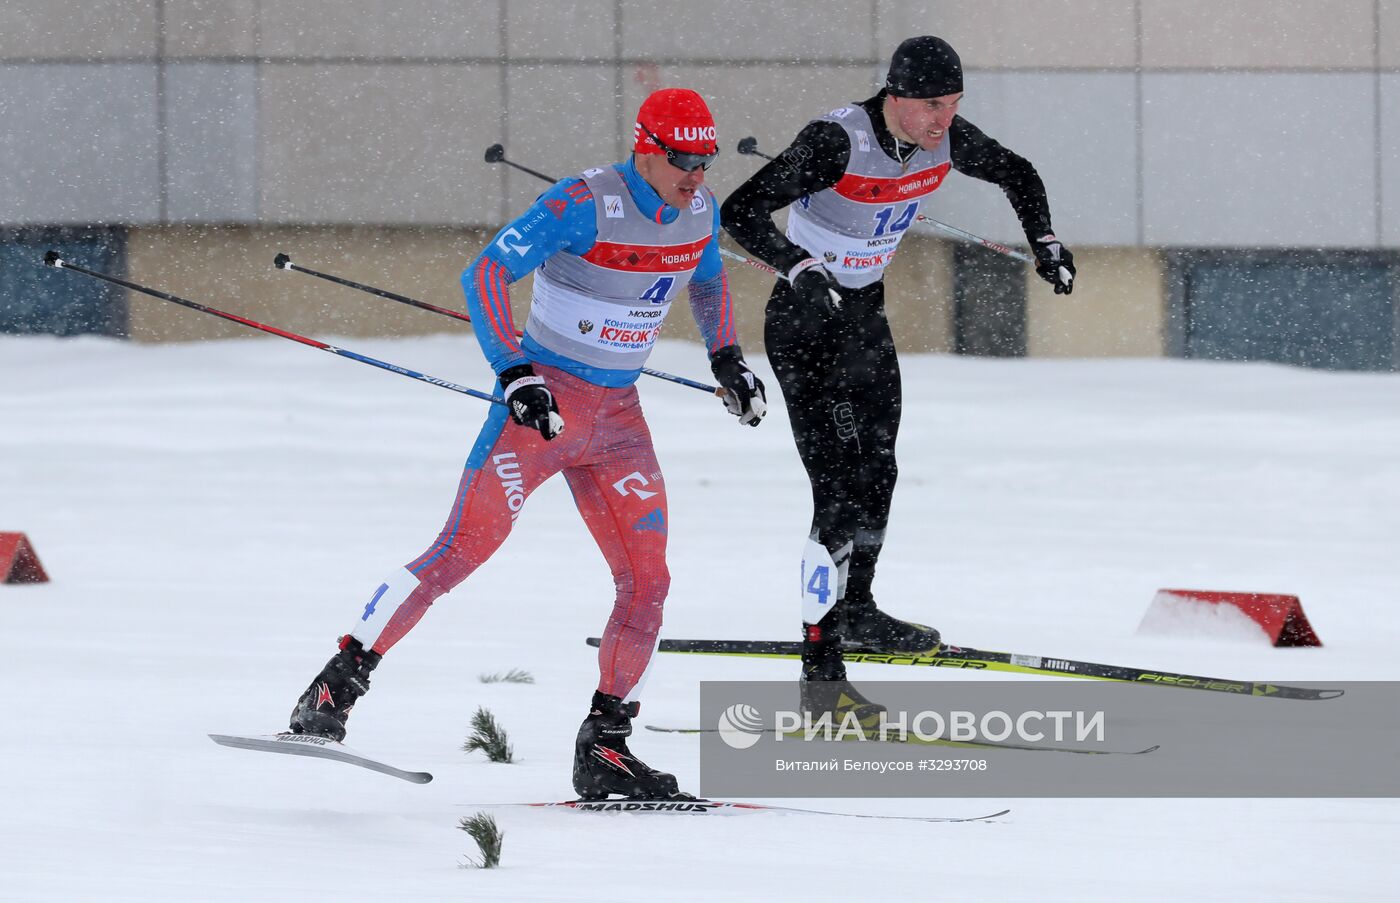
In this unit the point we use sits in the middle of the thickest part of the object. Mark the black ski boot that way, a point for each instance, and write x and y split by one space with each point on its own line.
324 707
859 621
604 765
824 689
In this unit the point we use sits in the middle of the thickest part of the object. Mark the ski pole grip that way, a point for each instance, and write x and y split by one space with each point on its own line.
282 262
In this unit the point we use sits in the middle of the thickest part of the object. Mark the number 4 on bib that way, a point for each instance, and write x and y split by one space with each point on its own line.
659 290
821 582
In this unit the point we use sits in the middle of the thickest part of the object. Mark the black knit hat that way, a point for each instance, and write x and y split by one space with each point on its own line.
925 67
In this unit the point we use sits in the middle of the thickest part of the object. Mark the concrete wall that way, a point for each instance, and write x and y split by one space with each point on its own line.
919 295
230 267
1155 123
1117 310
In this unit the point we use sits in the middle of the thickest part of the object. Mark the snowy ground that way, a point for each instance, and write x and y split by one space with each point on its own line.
214 515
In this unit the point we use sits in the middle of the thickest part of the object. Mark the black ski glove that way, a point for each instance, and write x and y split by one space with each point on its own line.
742 391
530 401
1054 263
818 288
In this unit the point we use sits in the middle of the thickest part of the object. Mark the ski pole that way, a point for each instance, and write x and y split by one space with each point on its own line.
283 262
496 153
54 259
750 146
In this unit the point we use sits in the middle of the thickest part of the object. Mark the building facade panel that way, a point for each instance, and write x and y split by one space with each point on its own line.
211 142
1388 151
554 137
1078 130
1255 167
1258 34
211 28
72 30
1015 34
547 29
1118 308
783 30
80 144
372 29
347 143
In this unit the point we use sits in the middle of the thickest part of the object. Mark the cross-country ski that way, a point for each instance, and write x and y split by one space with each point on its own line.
719 807
315 747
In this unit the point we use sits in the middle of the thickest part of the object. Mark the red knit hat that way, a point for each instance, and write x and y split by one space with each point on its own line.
679 117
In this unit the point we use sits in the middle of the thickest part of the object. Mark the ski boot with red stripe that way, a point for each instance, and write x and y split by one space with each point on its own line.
324 707
604 766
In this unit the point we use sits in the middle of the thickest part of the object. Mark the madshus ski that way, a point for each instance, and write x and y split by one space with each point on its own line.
713 807
316 747
966 658
963 744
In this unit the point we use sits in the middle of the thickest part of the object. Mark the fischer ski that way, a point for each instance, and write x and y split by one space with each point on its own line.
317 747
965 658
713 807
962 744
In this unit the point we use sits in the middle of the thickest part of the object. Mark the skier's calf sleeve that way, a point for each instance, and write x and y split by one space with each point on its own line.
382 605
822 580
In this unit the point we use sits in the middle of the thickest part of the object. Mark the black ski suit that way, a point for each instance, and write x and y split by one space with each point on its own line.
839 373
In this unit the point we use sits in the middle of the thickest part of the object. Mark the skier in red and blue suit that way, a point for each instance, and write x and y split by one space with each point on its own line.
610 250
